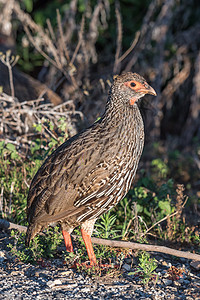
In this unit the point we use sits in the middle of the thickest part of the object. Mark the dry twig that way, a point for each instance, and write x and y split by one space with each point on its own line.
116 67
9 61
20 116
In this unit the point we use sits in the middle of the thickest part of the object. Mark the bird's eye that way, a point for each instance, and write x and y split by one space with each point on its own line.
133 84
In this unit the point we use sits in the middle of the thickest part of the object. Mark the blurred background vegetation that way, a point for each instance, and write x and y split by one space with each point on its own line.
68 53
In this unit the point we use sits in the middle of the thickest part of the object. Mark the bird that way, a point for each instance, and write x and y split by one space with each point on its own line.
92 171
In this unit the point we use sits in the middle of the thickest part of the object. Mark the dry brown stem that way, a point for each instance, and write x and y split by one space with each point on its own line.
9 61
180 199
116 67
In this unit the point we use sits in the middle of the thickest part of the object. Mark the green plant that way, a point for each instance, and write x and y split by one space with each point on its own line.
13 183
153 202
51 135
160 166
42 246
105 226
146 268
18 167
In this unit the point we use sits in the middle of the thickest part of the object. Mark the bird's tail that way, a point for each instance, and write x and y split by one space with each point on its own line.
32 230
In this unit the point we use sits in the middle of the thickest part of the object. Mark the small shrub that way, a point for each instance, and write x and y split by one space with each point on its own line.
42 246
146 268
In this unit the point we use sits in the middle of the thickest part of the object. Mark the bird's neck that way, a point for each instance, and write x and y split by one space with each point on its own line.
123 127
117 114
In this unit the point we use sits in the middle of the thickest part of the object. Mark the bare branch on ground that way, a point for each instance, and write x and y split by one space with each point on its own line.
118 244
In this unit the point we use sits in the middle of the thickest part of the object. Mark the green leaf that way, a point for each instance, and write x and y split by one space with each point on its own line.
165 207
28 5
11 147
38 127
15 156
139 208
2 144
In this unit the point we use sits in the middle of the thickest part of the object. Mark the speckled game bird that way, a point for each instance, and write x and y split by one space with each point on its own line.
91 172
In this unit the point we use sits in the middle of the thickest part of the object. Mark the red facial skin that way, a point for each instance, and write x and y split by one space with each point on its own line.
139 87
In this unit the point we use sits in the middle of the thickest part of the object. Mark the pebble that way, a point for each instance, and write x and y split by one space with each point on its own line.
15 273
195 264
164 263
67 273
167 281
177 283
181 280
158 270
52 283
31 282
186 282
126 267
2 256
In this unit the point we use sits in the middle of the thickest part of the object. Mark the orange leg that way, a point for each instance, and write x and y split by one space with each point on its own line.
88 244
68 241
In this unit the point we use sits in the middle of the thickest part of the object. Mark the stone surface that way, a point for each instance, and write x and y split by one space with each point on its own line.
52 283
126 267
56 281
167 281
195 264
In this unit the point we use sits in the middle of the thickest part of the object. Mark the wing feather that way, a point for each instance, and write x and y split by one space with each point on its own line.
72 178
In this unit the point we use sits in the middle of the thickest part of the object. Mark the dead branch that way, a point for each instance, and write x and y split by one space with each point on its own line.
118 244
119 38
8 225
150 248
62 45
20 116
6 16
80 39
137 35
9 61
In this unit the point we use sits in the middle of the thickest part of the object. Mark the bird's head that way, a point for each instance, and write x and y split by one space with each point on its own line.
130 87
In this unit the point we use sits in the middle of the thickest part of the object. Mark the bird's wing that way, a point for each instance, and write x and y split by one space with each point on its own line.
70 177
83 198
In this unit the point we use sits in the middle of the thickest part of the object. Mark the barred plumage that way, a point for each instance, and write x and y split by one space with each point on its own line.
91 172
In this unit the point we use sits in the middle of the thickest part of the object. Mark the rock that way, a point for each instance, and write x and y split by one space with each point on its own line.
2 256
15 273
186 282
177 283
181 280
67 273
52 283
126 267
195 264
167 281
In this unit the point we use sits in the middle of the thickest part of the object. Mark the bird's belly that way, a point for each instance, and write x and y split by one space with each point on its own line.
115 191
121 170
